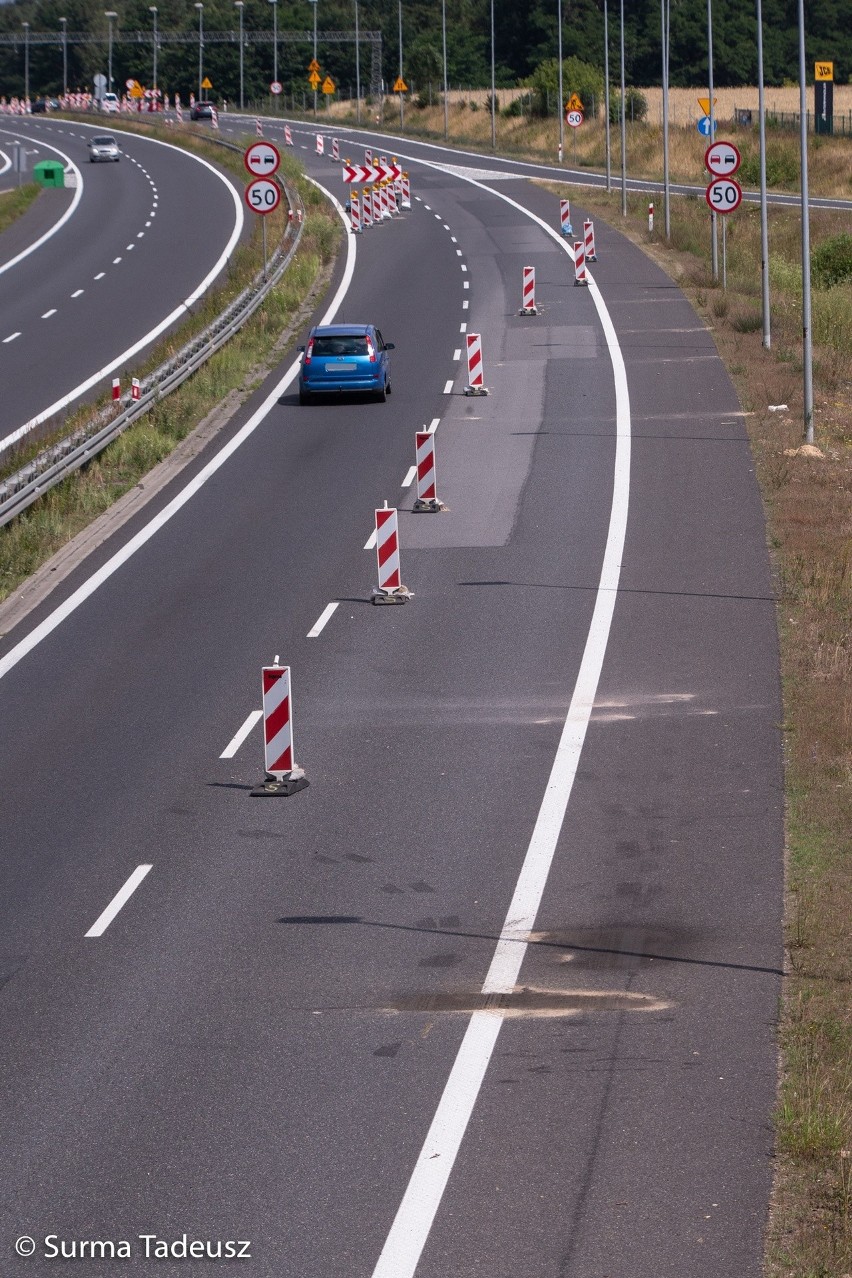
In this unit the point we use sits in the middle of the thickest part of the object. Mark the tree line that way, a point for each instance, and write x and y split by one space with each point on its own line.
525 37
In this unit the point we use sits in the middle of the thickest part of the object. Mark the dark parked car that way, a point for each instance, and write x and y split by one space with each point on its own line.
40 106
202 111
342 358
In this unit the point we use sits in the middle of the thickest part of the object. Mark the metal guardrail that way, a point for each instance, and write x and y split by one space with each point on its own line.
50 467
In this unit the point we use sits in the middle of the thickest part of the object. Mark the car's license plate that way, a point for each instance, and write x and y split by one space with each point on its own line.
340 368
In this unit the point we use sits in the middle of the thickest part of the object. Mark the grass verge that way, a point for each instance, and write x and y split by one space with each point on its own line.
14 203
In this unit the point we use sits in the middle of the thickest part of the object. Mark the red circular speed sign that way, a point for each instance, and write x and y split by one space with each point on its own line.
574 118
724 195
263 195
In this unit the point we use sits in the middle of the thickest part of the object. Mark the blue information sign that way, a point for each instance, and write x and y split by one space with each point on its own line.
704 126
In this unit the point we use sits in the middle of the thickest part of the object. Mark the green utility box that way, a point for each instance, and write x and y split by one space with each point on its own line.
49 173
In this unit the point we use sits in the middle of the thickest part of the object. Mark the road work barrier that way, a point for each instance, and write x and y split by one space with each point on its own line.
405 191
565 217
580 263
390 590
427 495
335 149
283 776
475 380
258 127
288 135
355 213
589 241
528 306
116 389
320 144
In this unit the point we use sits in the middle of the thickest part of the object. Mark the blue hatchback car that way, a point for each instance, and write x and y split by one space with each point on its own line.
345 358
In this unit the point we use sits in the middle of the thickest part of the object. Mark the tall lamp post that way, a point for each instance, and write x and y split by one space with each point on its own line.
493 88
444 40
314 3
240 5
401 94
26 27
561 89
357 70
152 8
109 14
274 4
200 7
63 22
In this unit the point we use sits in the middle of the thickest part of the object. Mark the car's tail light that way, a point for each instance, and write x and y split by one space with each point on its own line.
309 350
371 351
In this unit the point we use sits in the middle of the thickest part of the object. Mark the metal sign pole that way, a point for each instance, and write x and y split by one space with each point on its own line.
263 224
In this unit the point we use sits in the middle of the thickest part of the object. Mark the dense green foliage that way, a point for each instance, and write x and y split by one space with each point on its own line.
831 261
524 30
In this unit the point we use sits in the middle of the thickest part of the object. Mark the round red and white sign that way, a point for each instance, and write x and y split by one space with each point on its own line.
724 195
263 195
574 118
262 159
722 159
276 87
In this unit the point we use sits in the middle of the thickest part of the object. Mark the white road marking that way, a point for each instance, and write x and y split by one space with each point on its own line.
448 389
112 565
10 338
115 261
409 477
458 252
465 305
78 293
237 740
413 1222
121 898
464 268
370 543
457 354
427 208
140 234
465 283
433 425
463 328
327 612
453 240
100 275
47 314
446 228
69 212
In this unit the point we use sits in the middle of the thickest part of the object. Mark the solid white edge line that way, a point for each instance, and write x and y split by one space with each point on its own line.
239 737
409 477
54 619
120 899
407 1237
69 212
370 543
318 626
433 425
146 340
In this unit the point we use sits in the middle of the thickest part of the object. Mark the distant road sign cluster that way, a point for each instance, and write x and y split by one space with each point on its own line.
723 194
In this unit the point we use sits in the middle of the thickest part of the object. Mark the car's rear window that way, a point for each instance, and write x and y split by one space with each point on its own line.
340 346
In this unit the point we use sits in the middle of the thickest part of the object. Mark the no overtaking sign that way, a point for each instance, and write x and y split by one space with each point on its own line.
262 159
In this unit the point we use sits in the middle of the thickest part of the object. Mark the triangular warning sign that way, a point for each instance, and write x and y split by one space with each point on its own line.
328 85
313 65
206 84
313 79
399 85
574 103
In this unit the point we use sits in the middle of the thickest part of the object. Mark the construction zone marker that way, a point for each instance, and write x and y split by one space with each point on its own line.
390 589
355 213
427 497
116 389
288 135
580 263
475 385
528 306
589 239
565 217
258 127
335 149
320 144
283 776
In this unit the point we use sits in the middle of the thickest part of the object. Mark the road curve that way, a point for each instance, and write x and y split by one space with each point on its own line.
256 1044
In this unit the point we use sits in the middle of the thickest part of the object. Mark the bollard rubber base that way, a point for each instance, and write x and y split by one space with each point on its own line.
476 390
528 310
581 283
281 787
568 230
399 596
591 257
429 506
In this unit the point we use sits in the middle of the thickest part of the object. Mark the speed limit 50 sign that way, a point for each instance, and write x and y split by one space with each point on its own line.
263 195
724 195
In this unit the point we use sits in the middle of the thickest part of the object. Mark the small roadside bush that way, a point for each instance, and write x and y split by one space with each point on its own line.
782 168
635 106
831 261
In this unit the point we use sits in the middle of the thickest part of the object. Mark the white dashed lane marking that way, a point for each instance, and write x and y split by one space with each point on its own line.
47 314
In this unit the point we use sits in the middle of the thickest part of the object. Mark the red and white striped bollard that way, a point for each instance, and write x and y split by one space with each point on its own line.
589 238
390 589
580 263
650 219
258 127
528 306
565 217
405 201
427 495
283 776
135 389
288 135
335 149
475 384
320 144
116 389
355 213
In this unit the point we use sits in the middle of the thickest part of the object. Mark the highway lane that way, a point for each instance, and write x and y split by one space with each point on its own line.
150 234
258 1043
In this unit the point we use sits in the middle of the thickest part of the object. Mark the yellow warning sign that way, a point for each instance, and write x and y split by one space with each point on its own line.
313 79
328 85
704 103
823 70
136 92
399 85
313 65
206 83
574 103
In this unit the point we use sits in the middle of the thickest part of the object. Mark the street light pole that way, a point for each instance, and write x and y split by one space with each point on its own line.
64 24
357 70
561 89
493 87
274 4
314 3
26 27
152 8
240 4
446 99
606 100
401 94
200 7
109 14
623 123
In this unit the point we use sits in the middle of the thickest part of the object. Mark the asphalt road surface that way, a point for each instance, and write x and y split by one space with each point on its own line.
145 238
497 992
